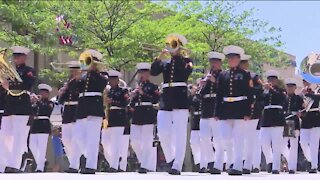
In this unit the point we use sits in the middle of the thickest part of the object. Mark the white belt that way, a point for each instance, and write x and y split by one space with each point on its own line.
42 117
197 113
210 95
70 103
314 109
1 111
144 104
273 107
234 99
90 94
174 84
115 107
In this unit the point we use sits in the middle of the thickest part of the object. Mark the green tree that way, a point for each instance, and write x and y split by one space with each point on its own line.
31 24
212 25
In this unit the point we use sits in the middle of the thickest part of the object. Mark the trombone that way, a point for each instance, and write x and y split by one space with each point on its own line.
172 44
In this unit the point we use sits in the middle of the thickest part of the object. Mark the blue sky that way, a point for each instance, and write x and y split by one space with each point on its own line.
299 21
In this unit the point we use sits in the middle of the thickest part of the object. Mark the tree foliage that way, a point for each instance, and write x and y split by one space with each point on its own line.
117 28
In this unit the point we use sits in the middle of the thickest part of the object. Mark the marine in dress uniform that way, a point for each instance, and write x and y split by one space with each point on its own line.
41 126
252 156
17 110
176 72
195 107
310 127
273 120
118 99
145 95
233 108
208 124
90 112
69 96
292 109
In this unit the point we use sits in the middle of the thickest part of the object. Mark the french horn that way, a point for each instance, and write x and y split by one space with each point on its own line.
8 72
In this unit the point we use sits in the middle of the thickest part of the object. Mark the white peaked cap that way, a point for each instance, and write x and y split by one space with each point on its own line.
270 73
290 81
73 64
20 50
45 87
233 50
215 55
181 38
95 53
245 57
143 66
114 73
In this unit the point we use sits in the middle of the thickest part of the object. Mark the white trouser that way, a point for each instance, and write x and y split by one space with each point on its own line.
195 145
251 139
141 137
166 135
70 145
272 136
309 141
291 154
232 139
3 153
25 141
14 128
124 151
87 138
208 129
110 141
38 146
257 151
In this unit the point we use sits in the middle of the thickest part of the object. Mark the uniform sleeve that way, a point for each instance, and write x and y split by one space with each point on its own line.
219 98
125 98
133 100
156 68
249 93
51 106
29 78
155 95
63 97
188 67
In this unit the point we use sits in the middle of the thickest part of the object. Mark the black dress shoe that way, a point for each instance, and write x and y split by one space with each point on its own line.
246 171
196 168
214 171
275 172
255 170
313 171
292 171
234 172
174 172
113 170
120 170
210 165
203 170
12 170
269 168
71 170
142 171
88 171
38 171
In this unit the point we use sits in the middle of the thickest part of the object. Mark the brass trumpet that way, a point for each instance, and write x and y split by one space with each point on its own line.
86 61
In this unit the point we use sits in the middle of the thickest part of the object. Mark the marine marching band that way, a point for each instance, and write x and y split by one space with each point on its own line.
234 115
